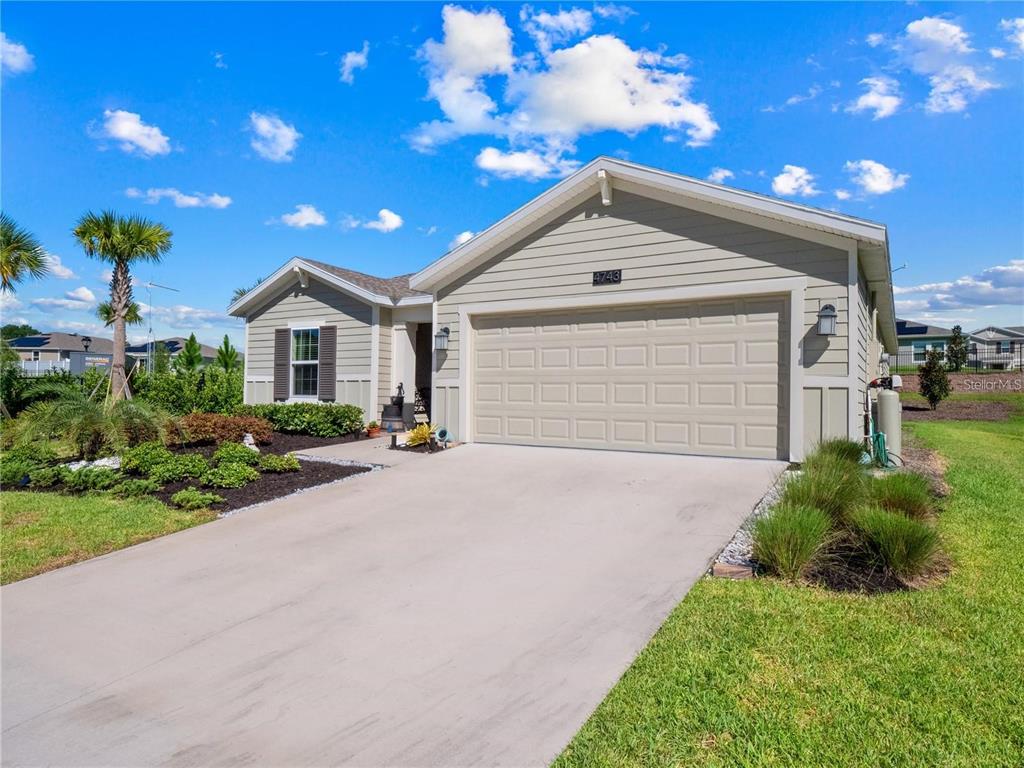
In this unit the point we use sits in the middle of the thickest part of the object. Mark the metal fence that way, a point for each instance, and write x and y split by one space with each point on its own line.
980 360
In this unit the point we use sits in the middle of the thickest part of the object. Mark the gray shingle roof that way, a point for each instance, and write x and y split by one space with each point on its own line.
67 342
394 287
173 344
909 328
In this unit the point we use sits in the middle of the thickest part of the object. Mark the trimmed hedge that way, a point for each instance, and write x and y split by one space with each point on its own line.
216 428
317 419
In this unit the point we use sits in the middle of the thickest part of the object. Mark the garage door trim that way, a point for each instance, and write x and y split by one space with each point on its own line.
792 288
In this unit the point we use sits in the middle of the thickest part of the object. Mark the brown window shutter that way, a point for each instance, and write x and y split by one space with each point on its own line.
282 362
328 361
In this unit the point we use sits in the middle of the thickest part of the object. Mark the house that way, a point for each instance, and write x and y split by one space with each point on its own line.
917 339
623 308
999 348
174 346
45 352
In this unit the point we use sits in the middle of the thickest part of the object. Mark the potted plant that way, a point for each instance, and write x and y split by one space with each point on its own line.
372 429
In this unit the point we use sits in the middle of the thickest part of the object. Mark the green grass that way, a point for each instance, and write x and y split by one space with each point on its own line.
43 531
761 673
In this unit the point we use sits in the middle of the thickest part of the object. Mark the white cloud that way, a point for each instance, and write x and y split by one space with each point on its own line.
1014 29
428 231
795 181
8 303
57 268
184 317
548 29
881 97
719 175
305 215
14 57
459 239
842 194
940 50
997 285
873 178
875 39
81 294
273 139
181 200
997 53
386 221
613 11
527 164
352 61
218 60
134 135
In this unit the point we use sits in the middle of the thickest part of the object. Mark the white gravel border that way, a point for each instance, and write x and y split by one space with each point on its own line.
740 549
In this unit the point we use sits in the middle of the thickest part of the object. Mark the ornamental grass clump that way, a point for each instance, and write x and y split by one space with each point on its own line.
829 483
841 448
904 492
791 539
905 546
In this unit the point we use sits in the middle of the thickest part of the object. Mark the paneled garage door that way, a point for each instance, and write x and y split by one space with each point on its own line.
702 377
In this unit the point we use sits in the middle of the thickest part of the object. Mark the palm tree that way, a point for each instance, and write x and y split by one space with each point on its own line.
21 255
105 312
240 292
121 241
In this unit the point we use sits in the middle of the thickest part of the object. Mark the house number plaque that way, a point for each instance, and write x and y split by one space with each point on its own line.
608 277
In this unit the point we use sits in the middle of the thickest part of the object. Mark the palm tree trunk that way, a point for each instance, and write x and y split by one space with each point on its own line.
120 300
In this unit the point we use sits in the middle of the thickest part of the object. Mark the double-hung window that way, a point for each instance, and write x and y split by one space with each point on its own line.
305 361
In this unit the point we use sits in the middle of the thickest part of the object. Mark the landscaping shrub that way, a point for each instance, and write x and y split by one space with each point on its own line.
215 428
142 459
790 539
828 483
230 475
841 448
237 453
420 434
905 546
270 462
933 381
179 468
193 498
49 477
13 469
91 479
133 488
209 390
904 492
318 419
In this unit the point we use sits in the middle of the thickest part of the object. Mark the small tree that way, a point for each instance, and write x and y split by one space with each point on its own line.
17 330
227 356
934 381
161 358
190 357
956 352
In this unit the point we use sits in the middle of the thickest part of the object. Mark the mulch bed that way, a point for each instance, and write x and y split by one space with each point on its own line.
270 485
281 443
959 410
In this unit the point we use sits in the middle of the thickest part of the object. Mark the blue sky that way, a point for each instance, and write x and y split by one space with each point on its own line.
373 135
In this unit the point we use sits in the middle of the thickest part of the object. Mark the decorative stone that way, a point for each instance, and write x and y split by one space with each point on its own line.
248 442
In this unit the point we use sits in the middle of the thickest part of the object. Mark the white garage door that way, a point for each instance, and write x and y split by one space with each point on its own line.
702 377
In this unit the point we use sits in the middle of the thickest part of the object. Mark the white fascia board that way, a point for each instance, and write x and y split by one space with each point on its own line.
587 179
414 301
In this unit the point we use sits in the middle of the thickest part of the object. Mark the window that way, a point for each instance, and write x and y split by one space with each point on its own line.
35 354
1004 347
921 349
305 362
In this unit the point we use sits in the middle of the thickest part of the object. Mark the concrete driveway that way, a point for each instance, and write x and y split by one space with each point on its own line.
467 608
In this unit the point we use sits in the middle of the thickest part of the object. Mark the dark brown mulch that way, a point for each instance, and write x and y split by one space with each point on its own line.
281 443
270 485
422 448
856 575
959 410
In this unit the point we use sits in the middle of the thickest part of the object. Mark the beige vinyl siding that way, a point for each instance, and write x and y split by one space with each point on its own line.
384 386
320 305
864 331
826 414
657 245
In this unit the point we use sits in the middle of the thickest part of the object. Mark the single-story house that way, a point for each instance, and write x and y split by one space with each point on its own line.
624 308
917 339
43 352
999 347
174 346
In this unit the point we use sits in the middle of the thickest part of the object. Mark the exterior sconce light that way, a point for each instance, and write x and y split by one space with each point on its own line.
441 340
827 320
86 341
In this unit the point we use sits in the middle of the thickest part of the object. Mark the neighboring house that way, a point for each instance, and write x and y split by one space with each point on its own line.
174 346
999 348
916 339
624 308
44 352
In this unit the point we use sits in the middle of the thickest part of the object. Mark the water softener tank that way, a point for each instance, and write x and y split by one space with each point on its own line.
890 420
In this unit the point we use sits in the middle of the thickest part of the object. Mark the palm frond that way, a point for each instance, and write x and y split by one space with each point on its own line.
21 255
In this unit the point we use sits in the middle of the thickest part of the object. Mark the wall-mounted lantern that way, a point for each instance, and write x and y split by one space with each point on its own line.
827 320
441 340
86 341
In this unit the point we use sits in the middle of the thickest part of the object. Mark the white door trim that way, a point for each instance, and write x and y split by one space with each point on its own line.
794 287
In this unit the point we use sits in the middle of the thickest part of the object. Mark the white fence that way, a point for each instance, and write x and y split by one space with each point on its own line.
42 367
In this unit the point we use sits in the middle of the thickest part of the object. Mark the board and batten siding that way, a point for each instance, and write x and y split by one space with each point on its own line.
657 245
317 305
384 355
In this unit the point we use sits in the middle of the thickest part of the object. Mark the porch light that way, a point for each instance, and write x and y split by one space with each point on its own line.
441 340
827 320
86 341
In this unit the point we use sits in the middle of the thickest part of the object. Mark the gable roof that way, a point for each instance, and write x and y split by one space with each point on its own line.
910 328
604 174
383 291
63 342
174 346
990 331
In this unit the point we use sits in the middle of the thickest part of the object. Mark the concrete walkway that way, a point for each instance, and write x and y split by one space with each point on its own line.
465 608
375 451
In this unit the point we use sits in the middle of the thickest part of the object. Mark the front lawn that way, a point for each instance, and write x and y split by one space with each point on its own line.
761 673
43 531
